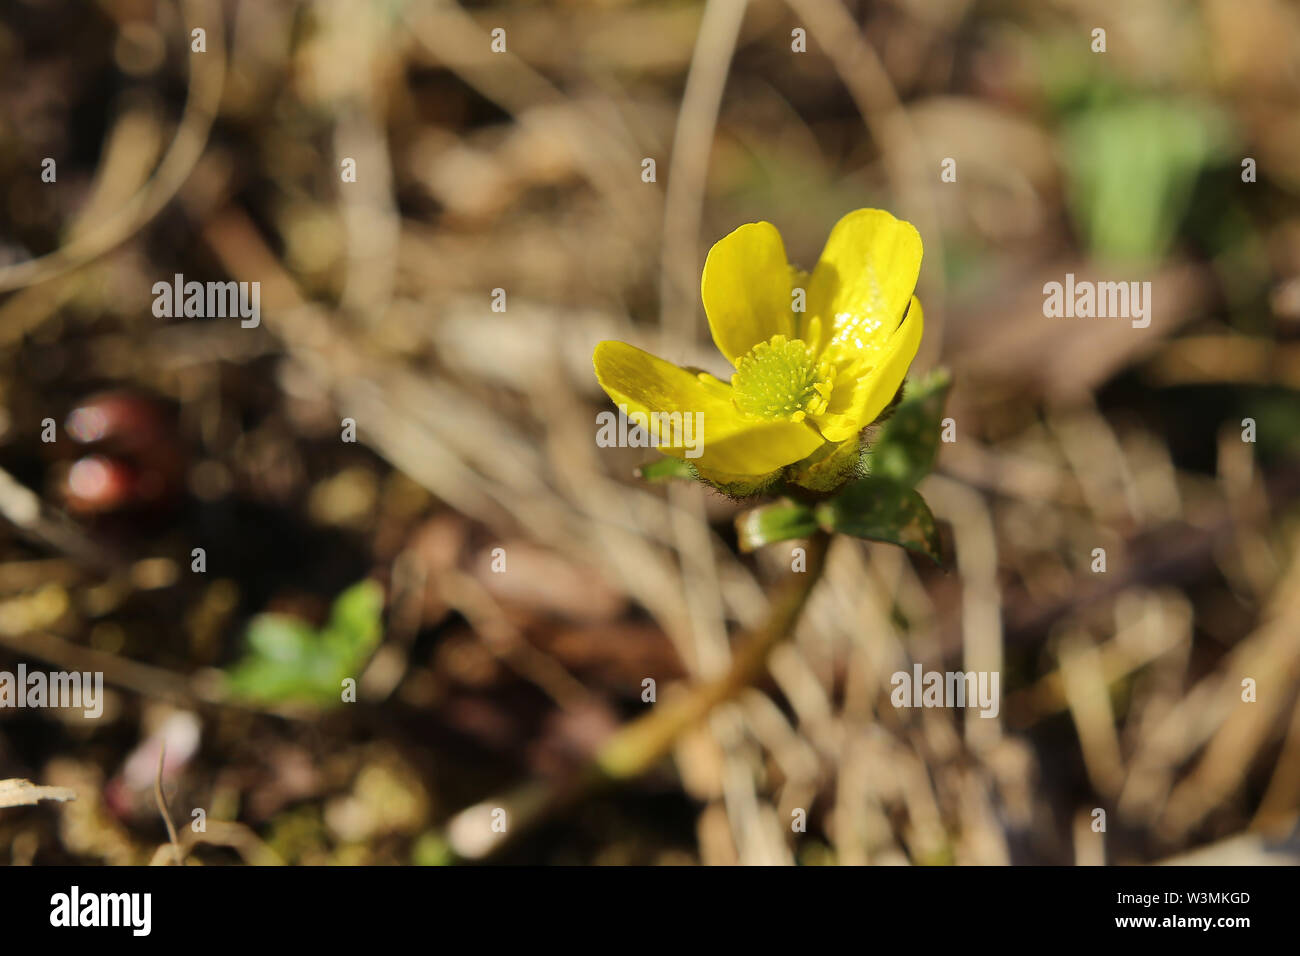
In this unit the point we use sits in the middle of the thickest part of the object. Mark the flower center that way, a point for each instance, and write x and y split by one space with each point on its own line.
778 379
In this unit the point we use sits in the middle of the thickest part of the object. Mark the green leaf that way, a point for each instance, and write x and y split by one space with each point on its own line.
278 637
256 678
1131 168
353 630
431 849
883 510
908 441
666 469
779 521
288 661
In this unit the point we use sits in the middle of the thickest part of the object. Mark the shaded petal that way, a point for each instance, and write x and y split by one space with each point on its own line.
746 289
729 442
863 281
807 324
863 388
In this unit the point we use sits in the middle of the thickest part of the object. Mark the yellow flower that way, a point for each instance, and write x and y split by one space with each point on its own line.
808 380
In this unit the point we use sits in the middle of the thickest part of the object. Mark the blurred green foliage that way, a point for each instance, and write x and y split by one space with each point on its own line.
905 449
288 661
1132 165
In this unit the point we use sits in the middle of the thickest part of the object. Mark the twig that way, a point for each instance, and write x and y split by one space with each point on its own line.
162 806
696 120
23 508
17 792
236 836
207 78
504 641
147 680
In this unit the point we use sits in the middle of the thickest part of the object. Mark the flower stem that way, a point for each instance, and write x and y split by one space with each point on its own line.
641 744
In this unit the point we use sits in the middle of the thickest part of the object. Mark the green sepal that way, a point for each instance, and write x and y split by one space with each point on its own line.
905 447
829 467
666 469
739 486
881 509
779 521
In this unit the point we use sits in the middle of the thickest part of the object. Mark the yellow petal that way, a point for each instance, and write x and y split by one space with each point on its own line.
746 289
863 281
863 389
727 441
807 324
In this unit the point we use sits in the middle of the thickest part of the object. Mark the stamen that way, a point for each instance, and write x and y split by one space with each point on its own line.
778 379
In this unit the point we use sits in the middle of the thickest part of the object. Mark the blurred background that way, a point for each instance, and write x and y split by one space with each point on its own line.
522 171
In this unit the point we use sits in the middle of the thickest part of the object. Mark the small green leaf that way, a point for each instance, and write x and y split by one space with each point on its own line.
883 510
666 469
287 660
779 521
904 450
256 678
353 630
278 637
431 849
